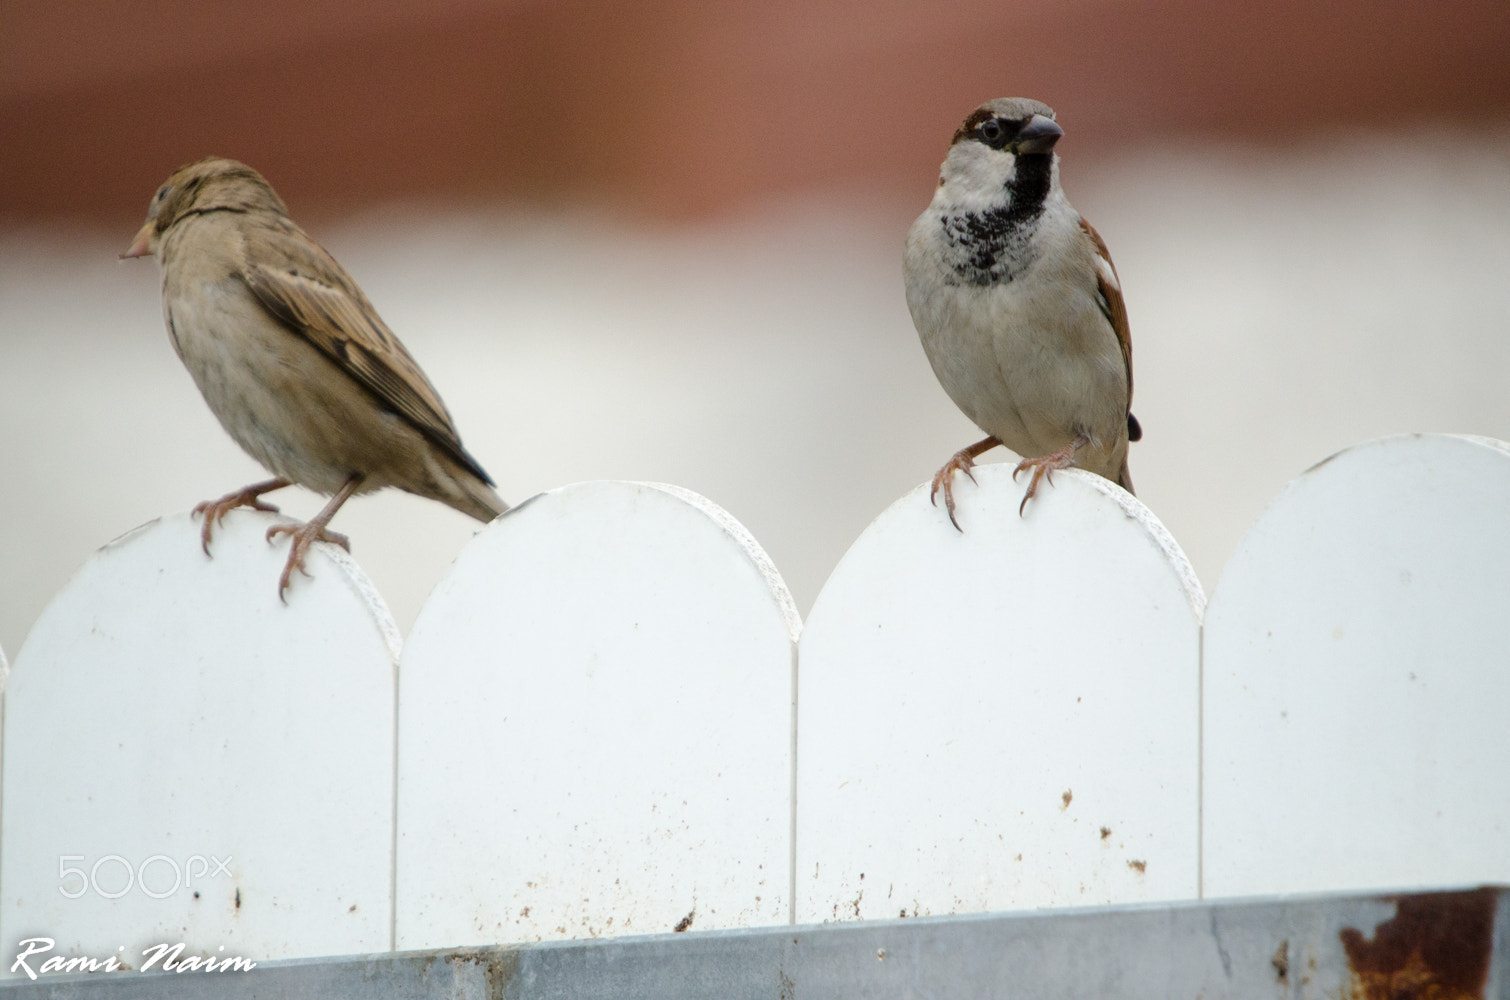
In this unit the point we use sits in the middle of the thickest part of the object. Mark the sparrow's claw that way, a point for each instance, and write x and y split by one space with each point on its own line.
324 535
214 511
1044 468
1039 472
943 479
962 461
304 536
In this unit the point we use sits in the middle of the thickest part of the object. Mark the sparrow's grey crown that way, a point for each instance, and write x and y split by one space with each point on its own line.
1009 110
213 184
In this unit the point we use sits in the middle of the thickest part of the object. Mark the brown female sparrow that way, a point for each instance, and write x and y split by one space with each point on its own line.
293 359
1018 305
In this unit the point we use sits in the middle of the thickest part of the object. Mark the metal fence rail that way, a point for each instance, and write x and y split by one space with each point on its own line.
1440 944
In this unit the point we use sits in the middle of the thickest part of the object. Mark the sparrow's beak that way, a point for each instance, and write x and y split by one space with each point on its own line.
1037 136
142 245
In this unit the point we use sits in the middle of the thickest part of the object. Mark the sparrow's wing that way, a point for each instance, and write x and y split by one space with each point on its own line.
304 287
1109 298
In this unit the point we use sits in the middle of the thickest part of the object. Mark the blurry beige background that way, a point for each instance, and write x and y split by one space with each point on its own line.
663 241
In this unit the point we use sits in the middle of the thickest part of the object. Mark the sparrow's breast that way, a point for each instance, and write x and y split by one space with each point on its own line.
1027 355
276 395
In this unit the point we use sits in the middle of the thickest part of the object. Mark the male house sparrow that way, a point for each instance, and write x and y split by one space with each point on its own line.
1018 305
293 359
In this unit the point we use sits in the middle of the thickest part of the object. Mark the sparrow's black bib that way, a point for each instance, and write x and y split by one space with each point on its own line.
995 246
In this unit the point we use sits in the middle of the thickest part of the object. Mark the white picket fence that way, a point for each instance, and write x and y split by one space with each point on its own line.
604 723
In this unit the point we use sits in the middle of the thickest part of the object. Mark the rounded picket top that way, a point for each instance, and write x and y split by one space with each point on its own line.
1357 677
1000 718
596 734
189 760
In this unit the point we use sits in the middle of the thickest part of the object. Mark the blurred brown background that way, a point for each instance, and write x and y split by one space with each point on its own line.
658 241
680 109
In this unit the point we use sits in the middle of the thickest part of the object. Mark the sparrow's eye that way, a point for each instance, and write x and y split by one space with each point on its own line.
993 133
157 201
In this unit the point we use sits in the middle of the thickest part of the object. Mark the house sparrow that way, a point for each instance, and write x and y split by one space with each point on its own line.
293 359
1018 305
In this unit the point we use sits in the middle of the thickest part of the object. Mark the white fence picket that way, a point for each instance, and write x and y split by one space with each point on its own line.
168 715
1357 677
595 726
1002 718
597 737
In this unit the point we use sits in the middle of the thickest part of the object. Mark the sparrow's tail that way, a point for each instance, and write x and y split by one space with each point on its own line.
461 488
478 500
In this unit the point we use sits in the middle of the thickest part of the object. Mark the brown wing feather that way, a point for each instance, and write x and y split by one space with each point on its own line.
313 295
1115 310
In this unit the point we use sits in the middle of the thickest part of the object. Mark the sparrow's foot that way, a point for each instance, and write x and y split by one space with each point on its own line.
1045 467
304 536
962 461
943 479
214 511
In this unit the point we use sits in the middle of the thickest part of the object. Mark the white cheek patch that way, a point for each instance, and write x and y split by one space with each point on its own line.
976 176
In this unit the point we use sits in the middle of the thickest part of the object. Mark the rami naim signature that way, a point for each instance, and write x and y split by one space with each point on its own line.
168 954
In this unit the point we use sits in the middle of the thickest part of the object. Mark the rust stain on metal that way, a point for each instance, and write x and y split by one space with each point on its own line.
1067 798
1436 947
1281 961
499 968
685 922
